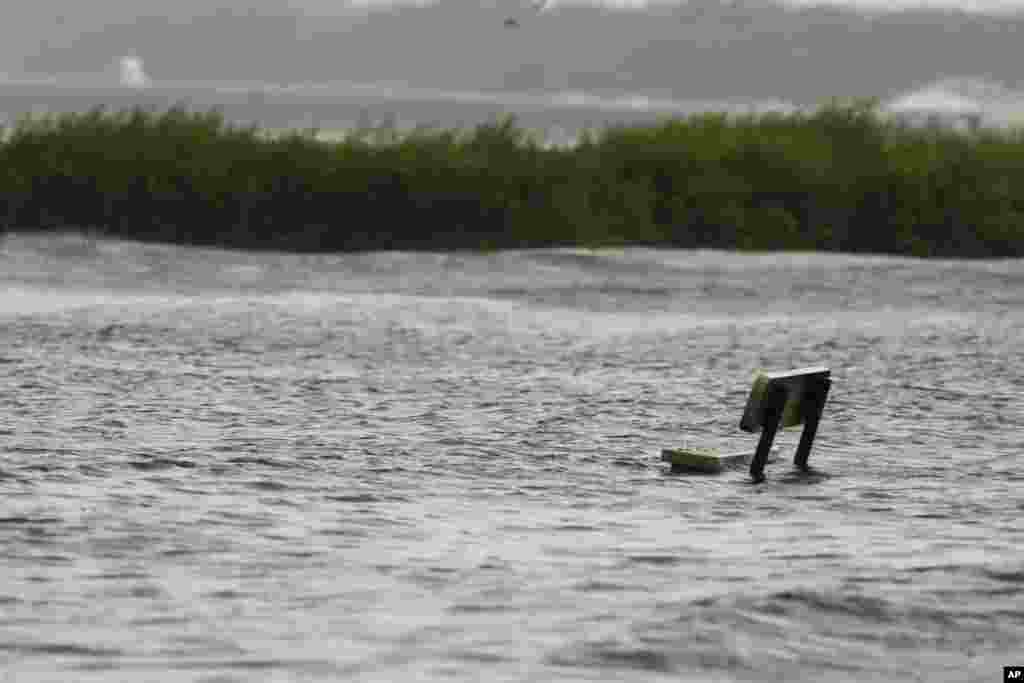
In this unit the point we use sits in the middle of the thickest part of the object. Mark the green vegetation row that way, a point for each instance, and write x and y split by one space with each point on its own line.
838 179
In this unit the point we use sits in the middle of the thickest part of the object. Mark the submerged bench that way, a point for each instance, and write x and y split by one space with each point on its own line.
777 400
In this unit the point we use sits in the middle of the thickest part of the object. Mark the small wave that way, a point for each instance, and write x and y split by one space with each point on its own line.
479 608
616 655
658 560
261 461
310 665
856 605
60 649
354 498
594 586
576 527
28 519
1009 576
158 463
267 485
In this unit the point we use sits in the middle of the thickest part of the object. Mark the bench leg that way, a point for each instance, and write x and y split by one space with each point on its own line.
815 404
775 400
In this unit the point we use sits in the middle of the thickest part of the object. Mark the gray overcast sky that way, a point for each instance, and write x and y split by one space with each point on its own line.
758 51
329 6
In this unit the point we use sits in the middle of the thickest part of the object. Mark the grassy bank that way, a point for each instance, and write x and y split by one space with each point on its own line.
838 179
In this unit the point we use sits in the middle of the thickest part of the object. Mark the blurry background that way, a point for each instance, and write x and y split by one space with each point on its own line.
699 50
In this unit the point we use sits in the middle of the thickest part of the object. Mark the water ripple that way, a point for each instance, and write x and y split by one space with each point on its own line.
394 466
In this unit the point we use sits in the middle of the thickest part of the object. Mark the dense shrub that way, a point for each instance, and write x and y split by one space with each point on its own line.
837 179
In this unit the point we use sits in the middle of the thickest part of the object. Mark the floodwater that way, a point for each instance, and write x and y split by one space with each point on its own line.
220 466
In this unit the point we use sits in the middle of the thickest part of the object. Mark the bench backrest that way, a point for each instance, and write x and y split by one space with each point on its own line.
796 385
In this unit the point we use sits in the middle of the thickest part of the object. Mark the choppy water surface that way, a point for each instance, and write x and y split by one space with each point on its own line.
221 466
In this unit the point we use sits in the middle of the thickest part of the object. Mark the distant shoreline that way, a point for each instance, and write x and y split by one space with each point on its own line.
338 106
840 179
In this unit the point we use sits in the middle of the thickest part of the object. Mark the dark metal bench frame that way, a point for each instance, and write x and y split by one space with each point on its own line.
767 413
